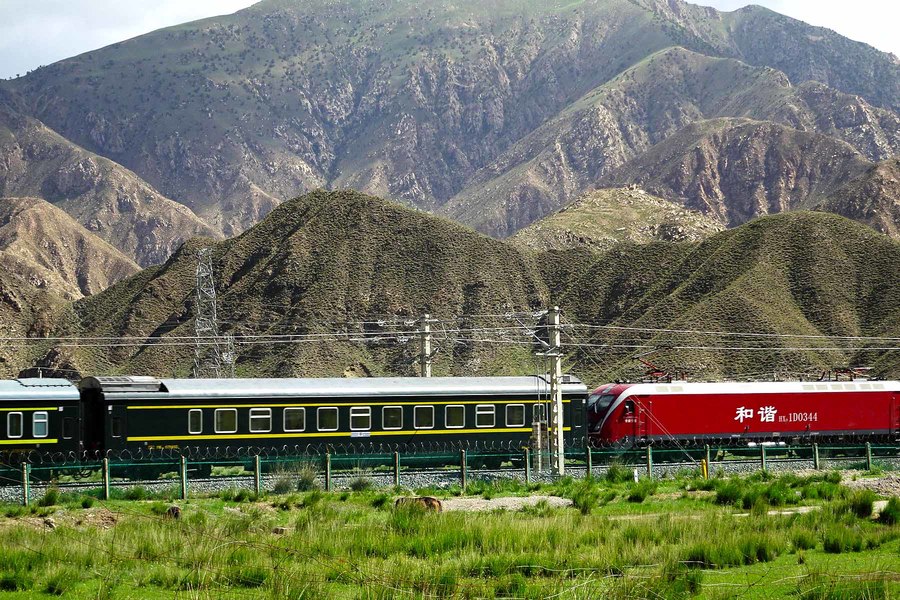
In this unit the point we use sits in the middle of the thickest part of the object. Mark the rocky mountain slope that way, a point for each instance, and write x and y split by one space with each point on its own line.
736 170
105 198
601 218
48 249
495 113
872 197
344 265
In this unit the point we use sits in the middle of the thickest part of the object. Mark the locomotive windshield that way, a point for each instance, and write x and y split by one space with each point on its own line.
598 403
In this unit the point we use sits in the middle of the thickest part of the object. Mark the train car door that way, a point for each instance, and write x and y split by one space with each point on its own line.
641 426
116 426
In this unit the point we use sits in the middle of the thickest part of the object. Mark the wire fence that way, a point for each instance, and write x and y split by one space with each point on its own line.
181 476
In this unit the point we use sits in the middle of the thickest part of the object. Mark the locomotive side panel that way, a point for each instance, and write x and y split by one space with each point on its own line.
750 411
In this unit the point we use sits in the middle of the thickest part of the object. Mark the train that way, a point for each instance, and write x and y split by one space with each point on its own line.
146 417
628 414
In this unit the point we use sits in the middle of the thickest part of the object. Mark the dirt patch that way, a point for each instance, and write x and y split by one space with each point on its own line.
885 485
505 503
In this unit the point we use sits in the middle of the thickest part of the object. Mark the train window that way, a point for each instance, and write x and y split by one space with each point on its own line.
14 425
423 417
484 415
629 407
116 429
515 415
455 416
39 424
537 412
392 417
68 428
294 419
360 418
226 420
195 421
328 418
260 420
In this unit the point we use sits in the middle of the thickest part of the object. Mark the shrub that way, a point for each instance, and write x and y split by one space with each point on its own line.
641 490
618 473
244 495
890 514
50 498
804 540
729 493
361 483
283 484
87 502
380 501
780 493
306 479
586 497
136 493
842 539
861 503
313 498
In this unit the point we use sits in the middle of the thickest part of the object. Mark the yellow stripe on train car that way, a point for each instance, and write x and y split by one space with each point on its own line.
270 436
338 404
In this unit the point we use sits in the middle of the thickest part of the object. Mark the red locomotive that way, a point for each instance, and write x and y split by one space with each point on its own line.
636 414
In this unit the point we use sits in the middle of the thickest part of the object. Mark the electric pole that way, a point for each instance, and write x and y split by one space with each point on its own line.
557 447
425 354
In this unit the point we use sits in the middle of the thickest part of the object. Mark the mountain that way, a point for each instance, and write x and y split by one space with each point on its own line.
800 274
494 112
601 218
872 197
332 267
319 264
736 170
104 197
47 248
647 105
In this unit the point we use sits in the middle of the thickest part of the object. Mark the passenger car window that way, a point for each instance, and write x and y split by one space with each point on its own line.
260 420
195 421
423 417
39 424
226 420
294 419
515 415
360 418
455 416
328 418
484 415
392 417
14 425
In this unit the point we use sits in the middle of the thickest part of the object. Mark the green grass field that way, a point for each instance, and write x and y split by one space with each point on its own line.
678 538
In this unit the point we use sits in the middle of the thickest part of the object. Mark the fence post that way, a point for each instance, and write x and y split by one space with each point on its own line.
762 456
868 456
704 468
590 462
527 466
816 465
26 484
105 478
650 462
184 479
396 469
257 475
328 472
462 470
708 456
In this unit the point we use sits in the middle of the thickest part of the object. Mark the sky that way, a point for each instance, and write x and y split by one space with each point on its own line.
40 32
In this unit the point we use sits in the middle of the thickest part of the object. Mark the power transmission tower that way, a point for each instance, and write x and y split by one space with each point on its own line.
554 353
425 353
209 359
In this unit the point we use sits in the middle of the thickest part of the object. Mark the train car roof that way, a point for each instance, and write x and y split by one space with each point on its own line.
765 387
344 387
37 390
